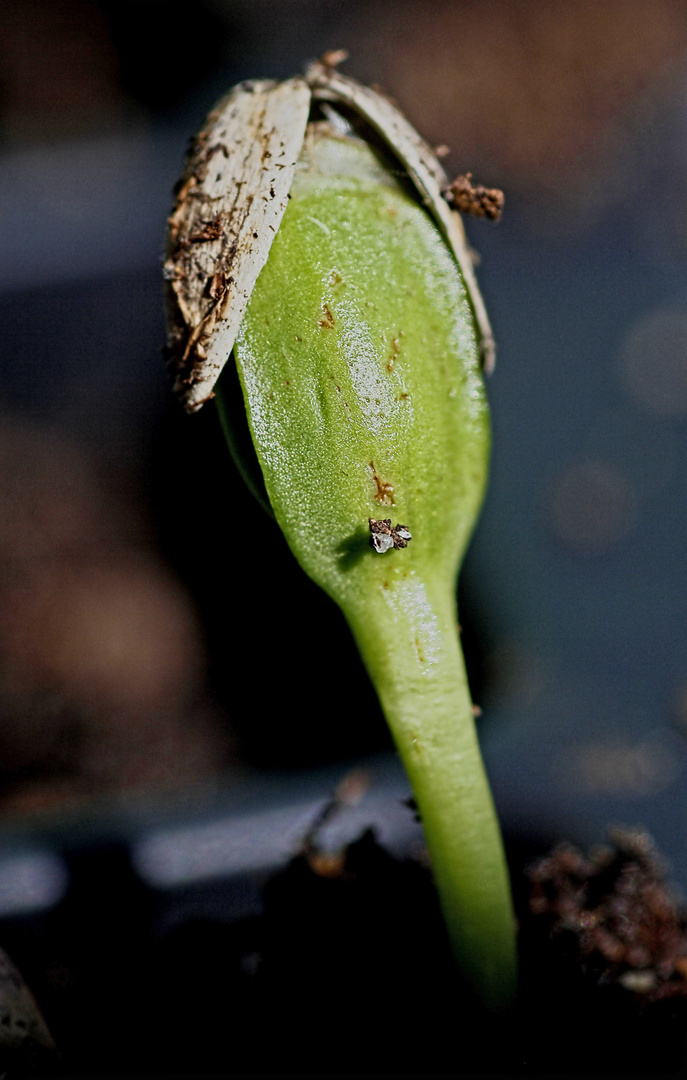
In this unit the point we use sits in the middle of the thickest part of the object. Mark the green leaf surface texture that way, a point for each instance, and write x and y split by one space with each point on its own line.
359 366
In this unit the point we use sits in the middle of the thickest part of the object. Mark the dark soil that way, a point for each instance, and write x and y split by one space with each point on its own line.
348 972
603 948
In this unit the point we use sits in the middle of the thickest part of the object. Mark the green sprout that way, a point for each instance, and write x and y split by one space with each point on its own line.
358 359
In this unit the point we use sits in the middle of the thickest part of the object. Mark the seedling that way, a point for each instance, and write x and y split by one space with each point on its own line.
312 245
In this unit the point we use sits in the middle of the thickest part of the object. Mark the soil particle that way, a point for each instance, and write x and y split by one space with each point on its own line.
614 910
603 945
475 199
384 537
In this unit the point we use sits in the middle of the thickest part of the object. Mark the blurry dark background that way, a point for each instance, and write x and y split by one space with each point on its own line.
156 638
154 631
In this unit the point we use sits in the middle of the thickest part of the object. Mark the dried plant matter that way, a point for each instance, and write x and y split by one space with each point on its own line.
232 196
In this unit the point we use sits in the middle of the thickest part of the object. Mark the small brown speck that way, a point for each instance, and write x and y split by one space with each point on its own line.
385 490
327 320
475 199
333 57
211 230
217 285
327 865
395 350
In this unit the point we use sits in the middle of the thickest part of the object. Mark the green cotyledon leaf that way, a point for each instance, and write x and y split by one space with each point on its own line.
358 361
361 378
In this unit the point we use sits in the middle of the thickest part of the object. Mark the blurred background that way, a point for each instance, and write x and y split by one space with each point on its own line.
145 672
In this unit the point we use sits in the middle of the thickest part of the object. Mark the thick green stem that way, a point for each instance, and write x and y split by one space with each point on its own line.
412 652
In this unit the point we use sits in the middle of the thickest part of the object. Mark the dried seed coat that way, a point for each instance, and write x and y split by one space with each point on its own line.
229 206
